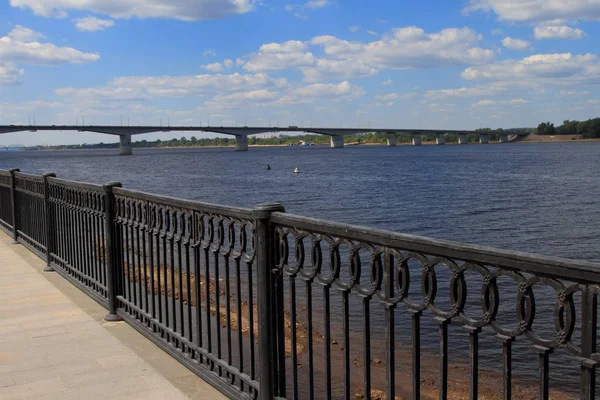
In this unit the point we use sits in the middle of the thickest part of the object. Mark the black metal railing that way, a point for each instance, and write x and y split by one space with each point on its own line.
6 218
264 304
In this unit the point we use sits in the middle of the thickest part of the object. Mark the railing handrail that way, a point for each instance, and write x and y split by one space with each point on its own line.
76 184
555 267
229 211
29 176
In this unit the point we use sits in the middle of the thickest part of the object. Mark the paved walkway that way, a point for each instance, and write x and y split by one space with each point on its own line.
54 343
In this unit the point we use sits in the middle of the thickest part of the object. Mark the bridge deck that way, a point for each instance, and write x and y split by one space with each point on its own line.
54 343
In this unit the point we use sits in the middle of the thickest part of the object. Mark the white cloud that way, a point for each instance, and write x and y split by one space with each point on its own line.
209 53
199 85
497 32
240 98
372 33
317 3
102 94
500 102
187 10
13 50
276 56
515 44
539 10
92 24
464 92
9 73
354 28
540 68
214 67
387 97
574 93
343 90
23 34
342 69
228 63
411 48
387 82
558 32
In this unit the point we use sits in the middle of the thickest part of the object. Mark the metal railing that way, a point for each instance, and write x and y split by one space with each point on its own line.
264 304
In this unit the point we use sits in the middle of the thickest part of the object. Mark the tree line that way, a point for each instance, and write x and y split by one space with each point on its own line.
588 129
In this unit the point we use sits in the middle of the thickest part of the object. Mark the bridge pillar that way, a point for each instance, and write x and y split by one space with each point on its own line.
416 140
504 138
241 143
440 139
462 139
484 139
337 142
125 145
391 140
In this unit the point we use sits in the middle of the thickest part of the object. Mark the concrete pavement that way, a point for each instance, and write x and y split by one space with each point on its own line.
54 343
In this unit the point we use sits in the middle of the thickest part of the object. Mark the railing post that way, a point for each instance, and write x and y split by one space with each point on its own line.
589 320
13 197
49 228
270 341
111 250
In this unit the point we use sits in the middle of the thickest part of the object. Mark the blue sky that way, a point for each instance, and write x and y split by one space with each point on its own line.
382 63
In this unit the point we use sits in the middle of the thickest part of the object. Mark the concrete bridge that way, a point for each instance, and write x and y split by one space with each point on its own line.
241 133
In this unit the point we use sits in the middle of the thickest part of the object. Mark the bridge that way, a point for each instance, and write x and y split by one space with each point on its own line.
241 133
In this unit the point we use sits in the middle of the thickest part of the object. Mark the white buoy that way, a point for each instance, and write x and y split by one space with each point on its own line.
296 171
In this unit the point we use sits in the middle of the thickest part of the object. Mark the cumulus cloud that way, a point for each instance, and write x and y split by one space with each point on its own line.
354 28
500 102
187 10
574 93
387 82
278 56
13 50
515 44
323 69
214 67
551 68
9 73
465 92
387 97
411 48
103 93
92 24
538 10
558 32
209 53
344 90
187 85
22 34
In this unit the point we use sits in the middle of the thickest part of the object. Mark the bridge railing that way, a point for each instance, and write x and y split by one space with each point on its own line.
265 304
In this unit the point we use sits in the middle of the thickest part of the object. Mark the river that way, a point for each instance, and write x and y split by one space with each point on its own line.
540 198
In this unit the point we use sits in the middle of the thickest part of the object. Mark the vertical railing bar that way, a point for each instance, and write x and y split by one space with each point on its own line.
49 227
309 338
217 304
113 248
294 348
544 370
240 320
507 373
198 288
589 324
189 294
346 327
228 309
265 263
367 346
443 378
327 341
390 334
141 283
473 362
181 271
14 205
416 354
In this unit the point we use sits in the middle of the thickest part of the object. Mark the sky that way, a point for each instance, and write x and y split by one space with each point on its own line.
437 64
